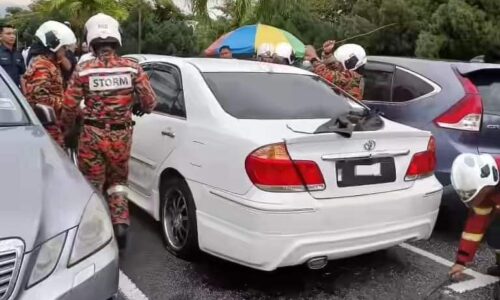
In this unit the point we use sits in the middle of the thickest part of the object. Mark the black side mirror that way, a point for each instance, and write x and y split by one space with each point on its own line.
45 114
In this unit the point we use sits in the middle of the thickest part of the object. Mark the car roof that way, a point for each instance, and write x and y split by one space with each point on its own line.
209 65
411 63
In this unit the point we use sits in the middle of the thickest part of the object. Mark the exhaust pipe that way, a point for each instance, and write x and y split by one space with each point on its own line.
317 263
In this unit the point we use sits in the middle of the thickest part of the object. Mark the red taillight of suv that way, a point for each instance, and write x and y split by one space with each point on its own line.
423 164
271 169
467 113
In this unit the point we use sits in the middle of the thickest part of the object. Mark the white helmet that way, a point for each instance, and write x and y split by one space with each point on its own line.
351 56
470 173
54 35
104 27
265 49
285 50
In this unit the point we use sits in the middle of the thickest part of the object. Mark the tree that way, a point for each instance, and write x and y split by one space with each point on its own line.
77 12
457 30
331 10
164 31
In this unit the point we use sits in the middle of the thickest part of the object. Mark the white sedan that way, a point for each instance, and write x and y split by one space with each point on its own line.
266 166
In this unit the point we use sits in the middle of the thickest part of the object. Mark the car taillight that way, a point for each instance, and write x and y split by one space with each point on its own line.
497 160
467 114
270 168
423 164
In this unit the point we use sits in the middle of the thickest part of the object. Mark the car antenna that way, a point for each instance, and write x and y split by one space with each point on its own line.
361 35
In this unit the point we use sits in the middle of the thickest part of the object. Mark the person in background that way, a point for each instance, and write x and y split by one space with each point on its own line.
43 81
283 54
25 54
107 84
340 67
68 63
86 53
265 52
225 52
11 60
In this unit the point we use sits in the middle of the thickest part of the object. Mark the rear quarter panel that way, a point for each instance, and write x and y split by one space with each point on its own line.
421 113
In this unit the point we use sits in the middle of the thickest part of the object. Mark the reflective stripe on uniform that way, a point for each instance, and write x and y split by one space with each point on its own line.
107 71
482 211
117 189
472 237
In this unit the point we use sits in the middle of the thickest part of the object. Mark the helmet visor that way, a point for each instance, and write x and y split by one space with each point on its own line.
351 62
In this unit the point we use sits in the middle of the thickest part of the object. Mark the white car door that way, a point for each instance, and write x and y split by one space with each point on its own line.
155 134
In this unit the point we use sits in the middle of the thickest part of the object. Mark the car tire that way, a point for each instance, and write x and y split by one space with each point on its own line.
178 219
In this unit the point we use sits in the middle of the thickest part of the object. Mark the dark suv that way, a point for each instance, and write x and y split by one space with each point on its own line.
458 102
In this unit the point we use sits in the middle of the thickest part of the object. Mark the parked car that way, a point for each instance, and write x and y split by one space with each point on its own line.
458 102
231 162
56 237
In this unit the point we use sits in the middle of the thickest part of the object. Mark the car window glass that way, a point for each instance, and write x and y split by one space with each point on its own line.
276 96
408 86
488 84
378 85
11 112
169 93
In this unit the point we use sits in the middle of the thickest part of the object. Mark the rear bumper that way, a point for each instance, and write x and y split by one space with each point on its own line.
270 238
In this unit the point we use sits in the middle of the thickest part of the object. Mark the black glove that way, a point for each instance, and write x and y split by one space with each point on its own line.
137 109
71 137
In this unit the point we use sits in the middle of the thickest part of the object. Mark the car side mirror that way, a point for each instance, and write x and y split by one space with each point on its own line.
45 114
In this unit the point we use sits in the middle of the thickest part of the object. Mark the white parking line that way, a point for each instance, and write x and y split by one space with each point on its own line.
479 281
131 292
128 289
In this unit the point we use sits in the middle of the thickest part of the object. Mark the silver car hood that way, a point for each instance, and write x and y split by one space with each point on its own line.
41 192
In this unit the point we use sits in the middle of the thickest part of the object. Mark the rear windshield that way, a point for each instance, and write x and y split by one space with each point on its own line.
488 84
277 96
11 112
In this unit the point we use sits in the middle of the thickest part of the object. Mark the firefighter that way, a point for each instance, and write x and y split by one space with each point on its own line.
43 82
107 85
283 54
475 179
340 67
265 52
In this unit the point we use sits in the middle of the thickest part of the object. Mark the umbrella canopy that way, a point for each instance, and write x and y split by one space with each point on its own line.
245 40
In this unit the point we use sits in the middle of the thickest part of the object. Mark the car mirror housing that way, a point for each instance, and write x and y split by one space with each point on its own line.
45 114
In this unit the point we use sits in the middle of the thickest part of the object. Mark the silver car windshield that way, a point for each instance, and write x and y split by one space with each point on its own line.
11 111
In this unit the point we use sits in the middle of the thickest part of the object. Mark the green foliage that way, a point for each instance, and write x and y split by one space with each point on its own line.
454 29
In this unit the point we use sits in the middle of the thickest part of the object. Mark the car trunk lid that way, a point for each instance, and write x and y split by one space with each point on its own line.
368 162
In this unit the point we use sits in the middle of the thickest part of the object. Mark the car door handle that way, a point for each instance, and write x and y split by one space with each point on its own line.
168 133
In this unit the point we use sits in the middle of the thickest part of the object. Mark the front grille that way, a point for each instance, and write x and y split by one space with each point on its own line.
11 252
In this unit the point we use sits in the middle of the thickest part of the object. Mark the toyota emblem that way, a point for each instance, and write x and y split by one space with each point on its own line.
370 145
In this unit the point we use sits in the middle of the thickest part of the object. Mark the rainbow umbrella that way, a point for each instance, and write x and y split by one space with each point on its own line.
245 40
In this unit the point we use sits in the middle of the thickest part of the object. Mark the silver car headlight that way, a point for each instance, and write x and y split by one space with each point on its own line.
94 232
47 257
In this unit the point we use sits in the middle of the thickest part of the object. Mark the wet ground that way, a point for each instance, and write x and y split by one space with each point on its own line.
398 273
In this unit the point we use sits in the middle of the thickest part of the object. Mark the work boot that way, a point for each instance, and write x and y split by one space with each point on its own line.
121 231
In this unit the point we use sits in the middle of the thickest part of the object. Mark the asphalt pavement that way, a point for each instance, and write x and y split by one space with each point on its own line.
411 271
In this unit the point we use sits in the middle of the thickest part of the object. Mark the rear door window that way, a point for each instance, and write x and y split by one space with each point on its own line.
166 82
408 86
276 96
378 79
488 84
